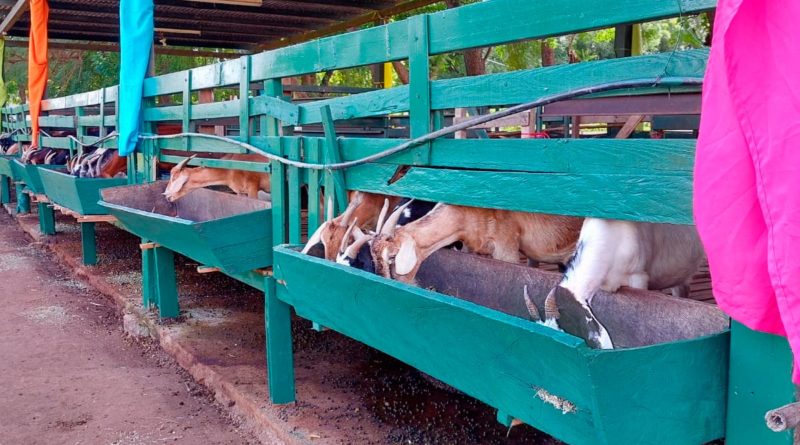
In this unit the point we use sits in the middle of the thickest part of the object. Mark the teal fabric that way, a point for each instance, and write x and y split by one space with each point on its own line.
136 40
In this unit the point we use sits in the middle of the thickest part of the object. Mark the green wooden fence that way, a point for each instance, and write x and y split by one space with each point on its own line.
643 180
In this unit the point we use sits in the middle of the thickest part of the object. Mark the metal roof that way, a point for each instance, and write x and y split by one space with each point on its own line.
205 24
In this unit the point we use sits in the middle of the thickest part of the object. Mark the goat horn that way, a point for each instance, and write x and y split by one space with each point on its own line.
185 161
551 306
360 238
347 234
391 222
314 238
348 213
382 215
532 309
330 208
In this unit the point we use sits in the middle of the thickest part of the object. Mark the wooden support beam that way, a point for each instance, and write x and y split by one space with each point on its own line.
149 245
19 8
629 126
112 47
371 17
207 269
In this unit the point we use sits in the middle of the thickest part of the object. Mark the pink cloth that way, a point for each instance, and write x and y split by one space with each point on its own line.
747 171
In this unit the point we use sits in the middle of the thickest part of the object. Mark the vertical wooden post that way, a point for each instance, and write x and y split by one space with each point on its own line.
166 282
47 219
23 200
313 154
88 245
334 179
277 314
759 380
293 184
244 100
186 115
419 85
148 281
5 189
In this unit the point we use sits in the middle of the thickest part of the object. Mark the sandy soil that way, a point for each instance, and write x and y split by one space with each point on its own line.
68 374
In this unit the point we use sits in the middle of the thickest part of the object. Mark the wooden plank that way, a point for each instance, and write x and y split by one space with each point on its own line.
662 104
244 99
420 85
528 85
11 18
571 156
313 148
293 185
642 197
373 103
57 121
259 167
335 184
629 127
199 144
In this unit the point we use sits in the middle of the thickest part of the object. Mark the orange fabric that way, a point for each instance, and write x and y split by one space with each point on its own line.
37 62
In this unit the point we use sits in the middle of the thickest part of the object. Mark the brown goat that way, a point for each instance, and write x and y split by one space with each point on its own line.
364 208
398 252
183 180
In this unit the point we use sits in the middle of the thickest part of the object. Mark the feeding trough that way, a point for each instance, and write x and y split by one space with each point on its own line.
666 384
214 228
79 195
29 174
5 166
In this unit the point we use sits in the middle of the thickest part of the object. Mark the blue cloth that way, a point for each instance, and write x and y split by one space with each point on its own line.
136 40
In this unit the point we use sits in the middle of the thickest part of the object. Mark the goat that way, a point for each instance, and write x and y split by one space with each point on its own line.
100 163
501 234
613 253
12 149
183 180
364 207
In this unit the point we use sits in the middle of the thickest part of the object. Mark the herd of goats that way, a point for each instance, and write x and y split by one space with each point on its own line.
93 162
392 236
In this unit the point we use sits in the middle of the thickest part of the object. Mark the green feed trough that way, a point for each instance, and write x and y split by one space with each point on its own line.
667 387
29 174
216 229
6 168
77 194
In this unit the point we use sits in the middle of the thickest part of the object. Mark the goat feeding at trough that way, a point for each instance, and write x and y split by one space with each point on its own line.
364 208
398 250
100 163
183 180
611 254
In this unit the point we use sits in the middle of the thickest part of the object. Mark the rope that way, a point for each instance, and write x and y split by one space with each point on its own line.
107 137
635 83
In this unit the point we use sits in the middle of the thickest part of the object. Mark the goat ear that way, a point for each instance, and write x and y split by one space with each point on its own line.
406 258
315 238
175 185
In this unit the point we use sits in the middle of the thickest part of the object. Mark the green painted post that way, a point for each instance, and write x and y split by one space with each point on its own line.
293 185
148 277
334 179
23 200
88 245
166 283
420 84
186 116
313 154
280 359
277 314
47 219
5 189
244 100
759 380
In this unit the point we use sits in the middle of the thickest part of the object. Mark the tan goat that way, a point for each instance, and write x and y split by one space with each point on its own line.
398 252
183 180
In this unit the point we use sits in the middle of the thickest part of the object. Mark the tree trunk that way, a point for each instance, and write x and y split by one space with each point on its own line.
402 72
473 58
548 54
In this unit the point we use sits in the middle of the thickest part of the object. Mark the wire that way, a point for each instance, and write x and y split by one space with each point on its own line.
634 83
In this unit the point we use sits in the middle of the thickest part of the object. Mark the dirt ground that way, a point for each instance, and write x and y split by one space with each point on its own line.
68 375
347 393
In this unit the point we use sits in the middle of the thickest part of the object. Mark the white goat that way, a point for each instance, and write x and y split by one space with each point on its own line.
611 254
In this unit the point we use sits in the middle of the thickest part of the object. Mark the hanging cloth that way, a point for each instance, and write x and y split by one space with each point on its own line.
37 62
3 90
747 170
136 41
